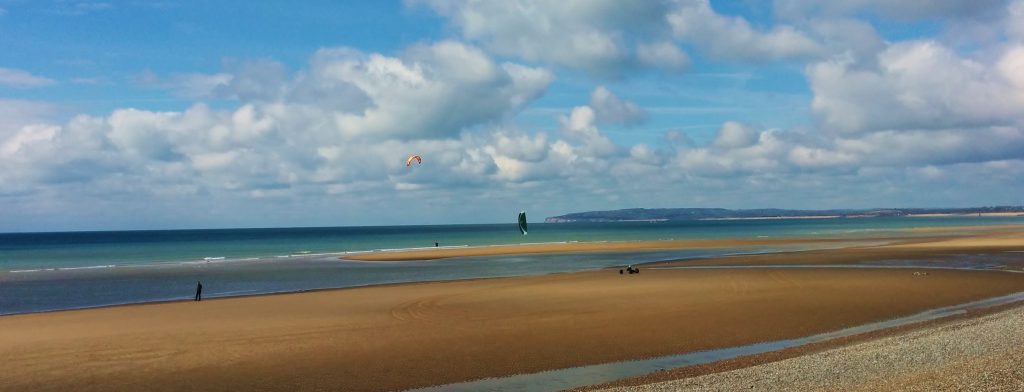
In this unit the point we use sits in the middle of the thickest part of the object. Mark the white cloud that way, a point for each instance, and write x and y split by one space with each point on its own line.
611 109
17 78
1011 66
733 38
589 35
581 126
15 114
434 90
609 39
735 135
662 55
429 91
29 137
784 153
326 143
853 39
341 126
917 85
268 151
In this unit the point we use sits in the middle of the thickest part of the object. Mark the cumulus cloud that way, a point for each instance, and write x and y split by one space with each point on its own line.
16 113
341 126
610 38
916 85
733 38
735 135
589 35
18 78
852 40
581 126
611 109
438 89
662 55
428 91
892 120
740 151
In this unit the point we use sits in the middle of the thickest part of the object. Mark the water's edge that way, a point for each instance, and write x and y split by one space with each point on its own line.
568 378
419 272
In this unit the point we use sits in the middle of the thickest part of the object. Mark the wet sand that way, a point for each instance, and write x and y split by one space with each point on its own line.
411 335
997 242
574 247
993 236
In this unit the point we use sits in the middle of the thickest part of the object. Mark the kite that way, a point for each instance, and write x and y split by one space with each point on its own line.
408 162
522 222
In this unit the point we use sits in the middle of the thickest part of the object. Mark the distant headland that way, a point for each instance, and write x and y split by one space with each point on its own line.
680 214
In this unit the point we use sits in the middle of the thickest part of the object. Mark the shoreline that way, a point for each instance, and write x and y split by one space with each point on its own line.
910 248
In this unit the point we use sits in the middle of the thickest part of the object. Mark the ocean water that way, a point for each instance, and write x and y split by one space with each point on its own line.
54 271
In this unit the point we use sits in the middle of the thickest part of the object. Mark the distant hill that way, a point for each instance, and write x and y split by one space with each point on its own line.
677 214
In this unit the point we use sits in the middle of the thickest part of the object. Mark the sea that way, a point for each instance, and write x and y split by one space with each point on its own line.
70 270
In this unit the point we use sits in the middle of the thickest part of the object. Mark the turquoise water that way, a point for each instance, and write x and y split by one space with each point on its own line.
24 251
52 271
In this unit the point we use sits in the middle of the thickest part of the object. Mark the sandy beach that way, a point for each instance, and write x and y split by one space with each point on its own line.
411 335
394 337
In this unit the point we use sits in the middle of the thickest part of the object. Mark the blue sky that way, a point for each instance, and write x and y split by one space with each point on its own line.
162 114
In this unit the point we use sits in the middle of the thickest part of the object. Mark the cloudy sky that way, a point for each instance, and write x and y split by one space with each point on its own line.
174 114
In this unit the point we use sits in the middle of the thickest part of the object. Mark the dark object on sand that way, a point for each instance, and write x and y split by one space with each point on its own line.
631 270
199 291
620 272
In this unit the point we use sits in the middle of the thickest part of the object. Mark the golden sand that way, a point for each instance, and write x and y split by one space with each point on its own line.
410 335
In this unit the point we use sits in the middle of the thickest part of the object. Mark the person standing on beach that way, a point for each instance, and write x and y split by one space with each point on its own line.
199 291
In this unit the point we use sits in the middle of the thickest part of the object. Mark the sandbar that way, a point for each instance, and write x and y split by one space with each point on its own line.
578 247
932 235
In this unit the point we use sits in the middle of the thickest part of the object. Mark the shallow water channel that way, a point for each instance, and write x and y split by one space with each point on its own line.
560 379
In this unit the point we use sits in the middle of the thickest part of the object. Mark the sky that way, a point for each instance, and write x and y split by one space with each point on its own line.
118 115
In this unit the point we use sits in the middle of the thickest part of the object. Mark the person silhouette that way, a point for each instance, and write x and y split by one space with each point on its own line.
199 291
